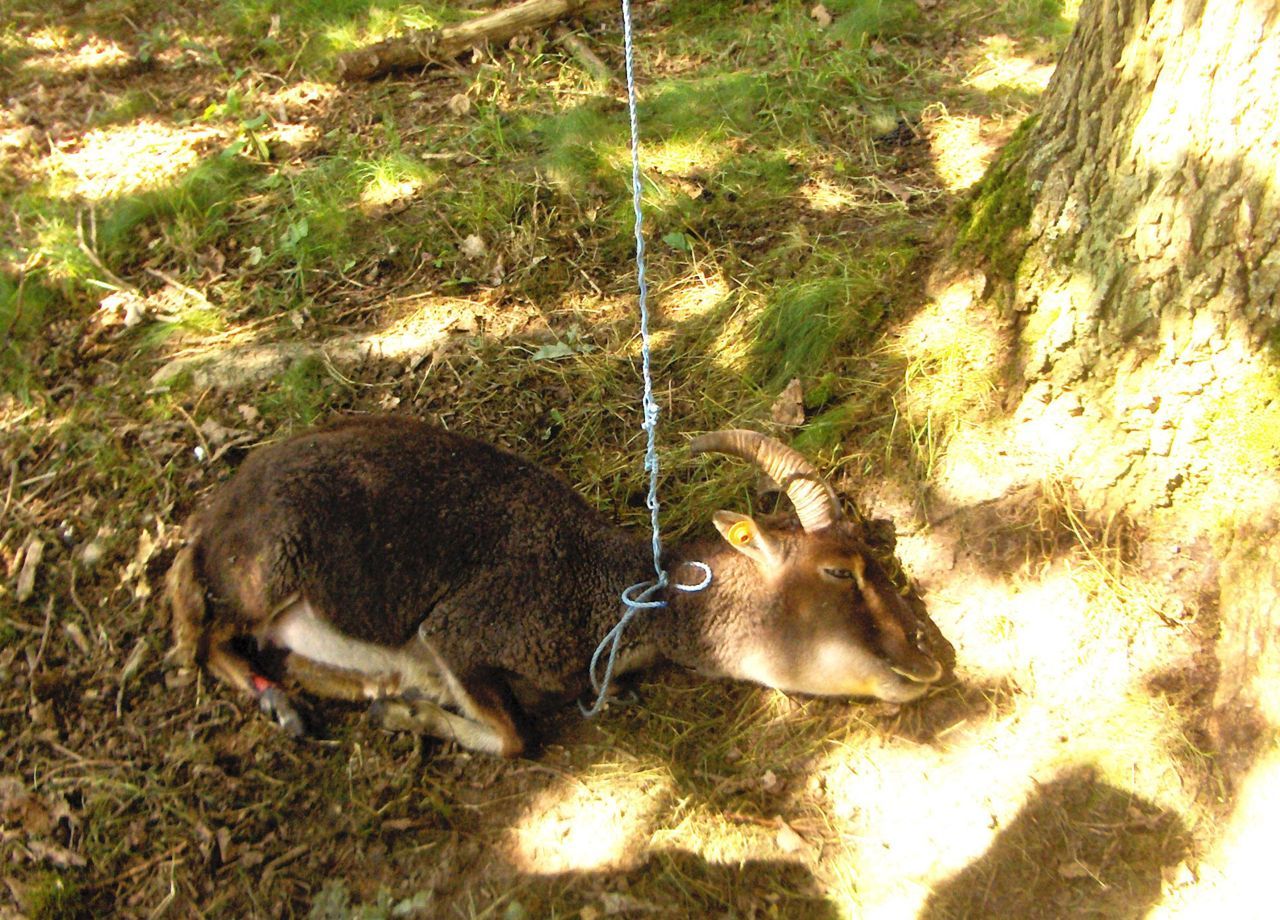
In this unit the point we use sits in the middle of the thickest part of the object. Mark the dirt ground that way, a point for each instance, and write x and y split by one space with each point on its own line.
1068 770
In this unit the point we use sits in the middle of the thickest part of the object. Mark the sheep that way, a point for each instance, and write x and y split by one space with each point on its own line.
463 589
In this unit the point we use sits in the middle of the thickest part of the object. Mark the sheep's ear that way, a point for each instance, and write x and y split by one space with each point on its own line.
745 535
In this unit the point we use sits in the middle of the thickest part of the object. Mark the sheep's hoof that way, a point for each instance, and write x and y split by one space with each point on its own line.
276 706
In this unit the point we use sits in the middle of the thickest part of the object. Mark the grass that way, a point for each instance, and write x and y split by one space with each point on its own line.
790 211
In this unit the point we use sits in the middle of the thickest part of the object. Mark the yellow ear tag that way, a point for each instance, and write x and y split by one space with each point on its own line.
740 534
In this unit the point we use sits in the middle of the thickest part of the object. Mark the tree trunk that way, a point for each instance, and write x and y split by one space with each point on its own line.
1133 229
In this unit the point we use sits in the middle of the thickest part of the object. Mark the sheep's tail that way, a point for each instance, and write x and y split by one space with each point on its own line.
187 610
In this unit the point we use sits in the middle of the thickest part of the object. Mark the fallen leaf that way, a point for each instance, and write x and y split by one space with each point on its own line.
76 635
787 839
136 657
136 570
615 903
788 409
58 855
1077 869
121 308
459 104
226 847
898 190
553 351
19 808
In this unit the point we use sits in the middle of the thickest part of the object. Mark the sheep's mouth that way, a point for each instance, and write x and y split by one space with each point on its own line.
919 675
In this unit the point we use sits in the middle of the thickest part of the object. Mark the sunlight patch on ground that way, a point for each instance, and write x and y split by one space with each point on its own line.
677 156
826 196
58 54
693 296
306 95
382 23
907 827
720 838
234 360
913 815
1230 881
1002 68
952 351
291 136
599 821
113 162
961 154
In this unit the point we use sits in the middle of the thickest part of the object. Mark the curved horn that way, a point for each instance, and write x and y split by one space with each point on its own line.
813 500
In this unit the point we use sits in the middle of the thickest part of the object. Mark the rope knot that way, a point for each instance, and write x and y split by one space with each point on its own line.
635 598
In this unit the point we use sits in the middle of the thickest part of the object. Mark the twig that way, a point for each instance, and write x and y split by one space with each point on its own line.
144 866
92 256
186 289
195 428
44 642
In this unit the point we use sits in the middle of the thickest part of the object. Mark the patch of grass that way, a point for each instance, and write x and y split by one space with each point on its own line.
826 430
128 106
858 20
299 396
1045 19
189 215
316 30
717 104
808 320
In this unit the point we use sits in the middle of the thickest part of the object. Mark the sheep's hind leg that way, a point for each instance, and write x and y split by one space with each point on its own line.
410 683
233 668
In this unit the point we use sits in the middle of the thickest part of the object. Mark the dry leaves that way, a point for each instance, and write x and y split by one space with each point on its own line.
788 409
821 15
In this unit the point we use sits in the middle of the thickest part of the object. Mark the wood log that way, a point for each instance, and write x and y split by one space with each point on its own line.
582 53
422 48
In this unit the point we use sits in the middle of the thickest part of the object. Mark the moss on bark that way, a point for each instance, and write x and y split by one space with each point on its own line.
991 219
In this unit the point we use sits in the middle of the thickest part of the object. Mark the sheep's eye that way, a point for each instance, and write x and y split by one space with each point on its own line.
839 573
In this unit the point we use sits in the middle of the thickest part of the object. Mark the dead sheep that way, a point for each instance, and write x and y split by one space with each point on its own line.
464 588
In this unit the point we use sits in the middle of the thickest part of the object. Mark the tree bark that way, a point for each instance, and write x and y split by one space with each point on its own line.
425 47
1133 228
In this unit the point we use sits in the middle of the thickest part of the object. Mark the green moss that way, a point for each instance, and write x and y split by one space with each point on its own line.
991 219
826 430
53 896
1272 343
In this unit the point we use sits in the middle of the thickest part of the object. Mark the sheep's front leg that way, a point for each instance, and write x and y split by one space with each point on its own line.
491 718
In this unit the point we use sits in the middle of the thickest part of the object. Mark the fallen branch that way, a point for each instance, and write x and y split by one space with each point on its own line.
425 47
582 53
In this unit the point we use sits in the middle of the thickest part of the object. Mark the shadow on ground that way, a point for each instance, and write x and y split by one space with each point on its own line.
1080 848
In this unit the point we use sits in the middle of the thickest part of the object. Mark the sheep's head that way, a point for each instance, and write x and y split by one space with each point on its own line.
824 617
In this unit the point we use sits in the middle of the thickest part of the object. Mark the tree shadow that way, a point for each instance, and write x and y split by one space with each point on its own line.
751 888
1080 848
